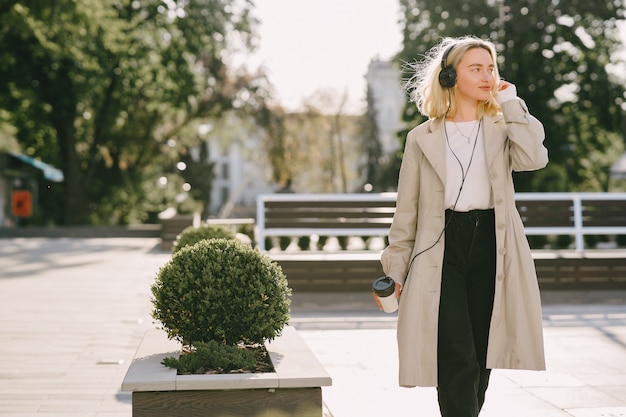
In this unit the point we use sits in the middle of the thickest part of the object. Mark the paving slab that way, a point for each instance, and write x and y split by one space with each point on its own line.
73 311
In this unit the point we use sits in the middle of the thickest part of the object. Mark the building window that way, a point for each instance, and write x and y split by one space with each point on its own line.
225 195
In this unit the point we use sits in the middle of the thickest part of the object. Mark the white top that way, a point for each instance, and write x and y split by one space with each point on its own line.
476 192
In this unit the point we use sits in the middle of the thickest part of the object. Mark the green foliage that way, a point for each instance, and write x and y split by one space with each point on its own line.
221 290
553 242
374 165
308 150
248 230
8 142
192 235
304 242
199 174
284 242
103 89
212 356
558 55
538 241
563 241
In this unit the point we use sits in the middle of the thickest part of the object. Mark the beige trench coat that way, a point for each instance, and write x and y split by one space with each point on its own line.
513 142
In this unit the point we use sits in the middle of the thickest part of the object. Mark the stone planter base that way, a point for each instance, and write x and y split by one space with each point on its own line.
300 402
293 390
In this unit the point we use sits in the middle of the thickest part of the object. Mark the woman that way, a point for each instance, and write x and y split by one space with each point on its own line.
457 249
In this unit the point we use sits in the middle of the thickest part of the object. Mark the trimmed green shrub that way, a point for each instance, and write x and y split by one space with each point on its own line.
591 241
248 230
537 241
284 242
563 241
222 290
304 243
191 235
212 357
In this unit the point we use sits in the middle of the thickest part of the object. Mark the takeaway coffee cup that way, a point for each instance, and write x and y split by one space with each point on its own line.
385 287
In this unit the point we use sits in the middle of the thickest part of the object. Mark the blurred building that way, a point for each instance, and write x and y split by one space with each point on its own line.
385 84
240 176
618 170
240 171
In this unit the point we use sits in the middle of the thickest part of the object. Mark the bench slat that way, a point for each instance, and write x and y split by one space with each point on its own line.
603 213
535 213
320 224
330 231
374 202
296 214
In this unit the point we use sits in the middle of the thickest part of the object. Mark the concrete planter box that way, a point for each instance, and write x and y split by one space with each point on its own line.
293 390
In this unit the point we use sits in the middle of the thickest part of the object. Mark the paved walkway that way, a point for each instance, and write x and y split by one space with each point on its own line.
72 313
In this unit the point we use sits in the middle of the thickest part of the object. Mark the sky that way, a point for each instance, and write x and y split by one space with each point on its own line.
312 45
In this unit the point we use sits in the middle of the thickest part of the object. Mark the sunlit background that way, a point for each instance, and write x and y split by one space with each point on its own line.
325 44
125 112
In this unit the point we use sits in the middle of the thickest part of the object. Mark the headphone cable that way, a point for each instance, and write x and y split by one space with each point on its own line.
463 177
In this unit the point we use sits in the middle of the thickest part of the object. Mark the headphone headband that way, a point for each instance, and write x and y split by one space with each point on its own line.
444 59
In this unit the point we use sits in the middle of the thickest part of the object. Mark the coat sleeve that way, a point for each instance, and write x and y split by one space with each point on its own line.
526 136
395 257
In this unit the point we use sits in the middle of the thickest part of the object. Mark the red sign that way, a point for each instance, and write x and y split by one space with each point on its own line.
22 203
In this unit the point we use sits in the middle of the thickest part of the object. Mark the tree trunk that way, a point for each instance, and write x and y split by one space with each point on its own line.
75 200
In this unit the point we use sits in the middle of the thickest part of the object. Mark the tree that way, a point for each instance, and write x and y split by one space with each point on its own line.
311 149
557 54
8 142
98 87
276 143
371 146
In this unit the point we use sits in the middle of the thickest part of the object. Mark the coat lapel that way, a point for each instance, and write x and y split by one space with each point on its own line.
433 145
495 137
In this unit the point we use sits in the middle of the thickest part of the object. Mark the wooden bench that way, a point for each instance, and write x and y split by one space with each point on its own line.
576 214
172 224
324 215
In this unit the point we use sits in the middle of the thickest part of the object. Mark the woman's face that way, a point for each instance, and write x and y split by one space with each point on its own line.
475 75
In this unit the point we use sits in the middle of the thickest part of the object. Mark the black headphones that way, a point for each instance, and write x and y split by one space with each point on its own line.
447 75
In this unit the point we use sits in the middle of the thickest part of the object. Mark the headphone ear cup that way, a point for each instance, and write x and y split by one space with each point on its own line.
447 77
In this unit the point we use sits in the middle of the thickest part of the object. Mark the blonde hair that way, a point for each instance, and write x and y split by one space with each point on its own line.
426 92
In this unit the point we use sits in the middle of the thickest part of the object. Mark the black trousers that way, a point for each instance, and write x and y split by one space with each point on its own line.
467 291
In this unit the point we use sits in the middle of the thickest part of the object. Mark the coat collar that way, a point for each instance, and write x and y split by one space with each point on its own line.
433 143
